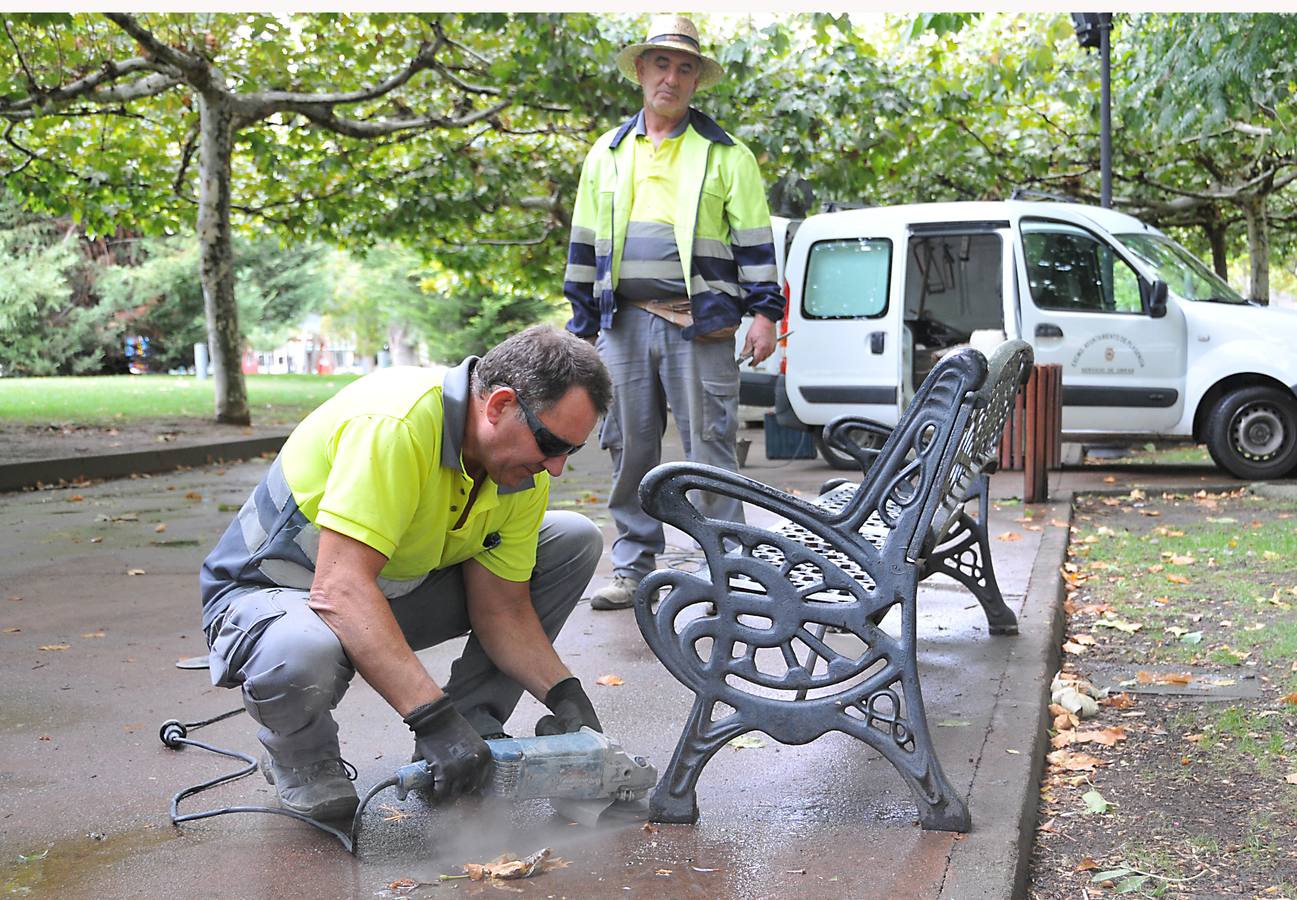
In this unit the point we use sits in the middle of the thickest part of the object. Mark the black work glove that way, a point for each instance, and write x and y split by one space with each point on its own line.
571 708
458 757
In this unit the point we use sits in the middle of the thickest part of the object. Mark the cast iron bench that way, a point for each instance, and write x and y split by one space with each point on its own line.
749 638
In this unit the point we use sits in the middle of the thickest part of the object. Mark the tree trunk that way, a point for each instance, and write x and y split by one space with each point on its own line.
1258 247
217 261
1216 237
404 351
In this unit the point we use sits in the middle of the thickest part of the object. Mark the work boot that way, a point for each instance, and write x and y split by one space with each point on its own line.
620 594
318 790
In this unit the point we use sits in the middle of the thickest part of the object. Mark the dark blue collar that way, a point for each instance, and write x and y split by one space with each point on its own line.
700 123
456 386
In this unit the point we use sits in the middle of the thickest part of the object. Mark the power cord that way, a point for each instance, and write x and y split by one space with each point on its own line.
175 735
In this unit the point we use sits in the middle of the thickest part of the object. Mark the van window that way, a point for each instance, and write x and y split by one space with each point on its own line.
1070 269
955 279
847 279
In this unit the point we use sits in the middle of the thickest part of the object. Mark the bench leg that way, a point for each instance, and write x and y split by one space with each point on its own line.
675 799
966 557
897 727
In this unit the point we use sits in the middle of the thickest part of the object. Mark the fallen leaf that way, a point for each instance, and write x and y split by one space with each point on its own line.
136 572
76 498
1118 701
1191 637
650 828
10 629
1110 479
1106 736
1178 579
160 527
1291 778
1058 523
96 540
403 885
1074 649
1074 762
663 871
1163 678
747 742
95 634
54 647
1085 640
14 599
609 680
1119 625
1086 865
1291 699
1095 803
1184 560
1009 536
507 869
193 495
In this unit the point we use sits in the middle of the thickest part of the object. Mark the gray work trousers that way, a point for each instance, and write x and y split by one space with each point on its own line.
652 367
293 671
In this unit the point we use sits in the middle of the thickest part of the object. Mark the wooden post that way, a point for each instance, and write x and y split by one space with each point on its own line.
1032 439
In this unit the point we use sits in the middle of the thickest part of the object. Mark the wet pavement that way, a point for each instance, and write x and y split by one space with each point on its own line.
98 601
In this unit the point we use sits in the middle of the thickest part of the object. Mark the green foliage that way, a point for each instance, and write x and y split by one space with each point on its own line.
463 316
931 106
162 297
44 330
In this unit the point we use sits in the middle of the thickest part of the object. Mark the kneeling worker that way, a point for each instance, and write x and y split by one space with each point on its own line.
402 513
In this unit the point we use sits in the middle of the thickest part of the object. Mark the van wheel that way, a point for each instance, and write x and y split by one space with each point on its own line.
1252 433
835 457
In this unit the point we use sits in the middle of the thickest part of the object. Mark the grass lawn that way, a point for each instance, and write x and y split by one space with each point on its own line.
101 400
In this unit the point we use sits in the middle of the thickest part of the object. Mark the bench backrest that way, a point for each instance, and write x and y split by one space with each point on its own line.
1008 370
916 459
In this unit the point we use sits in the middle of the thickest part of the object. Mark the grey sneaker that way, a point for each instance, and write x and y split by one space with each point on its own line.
620 594
319 790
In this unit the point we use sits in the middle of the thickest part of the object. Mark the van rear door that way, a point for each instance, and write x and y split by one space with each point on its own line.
843 354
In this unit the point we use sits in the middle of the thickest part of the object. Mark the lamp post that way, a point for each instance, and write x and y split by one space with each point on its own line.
1093 30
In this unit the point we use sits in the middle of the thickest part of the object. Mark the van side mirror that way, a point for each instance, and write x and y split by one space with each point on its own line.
1155 294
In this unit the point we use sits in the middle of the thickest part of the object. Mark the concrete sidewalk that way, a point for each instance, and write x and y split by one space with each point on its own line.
98 601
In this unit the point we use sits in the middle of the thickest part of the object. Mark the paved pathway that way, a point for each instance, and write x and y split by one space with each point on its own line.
98 600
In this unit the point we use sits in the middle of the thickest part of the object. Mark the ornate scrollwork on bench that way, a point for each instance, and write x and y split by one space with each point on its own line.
750 639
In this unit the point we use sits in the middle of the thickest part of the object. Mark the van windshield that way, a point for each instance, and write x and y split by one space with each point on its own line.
1183 272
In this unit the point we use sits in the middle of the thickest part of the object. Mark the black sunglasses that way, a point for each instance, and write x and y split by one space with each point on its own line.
547 441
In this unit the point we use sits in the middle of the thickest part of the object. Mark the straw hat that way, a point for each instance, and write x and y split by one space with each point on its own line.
671 33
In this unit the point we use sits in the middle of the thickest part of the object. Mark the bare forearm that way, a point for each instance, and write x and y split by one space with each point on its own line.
375 645
506 625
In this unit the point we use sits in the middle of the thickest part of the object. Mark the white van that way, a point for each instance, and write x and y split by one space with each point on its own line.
1152 343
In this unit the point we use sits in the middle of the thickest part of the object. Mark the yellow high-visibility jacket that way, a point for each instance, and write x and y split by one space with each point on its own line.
722 230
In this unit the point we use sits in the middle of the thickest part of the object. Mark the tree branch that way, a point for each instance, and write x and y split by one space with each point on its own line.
263 104
22 61
186 154
358 128
195 70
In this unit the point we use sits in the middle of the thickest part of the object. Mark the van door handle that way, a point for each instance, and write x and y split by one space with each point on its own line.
877 341
1046 329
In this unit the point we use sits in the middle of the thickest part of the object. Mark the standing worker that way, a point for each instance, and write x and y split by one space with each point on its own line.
404 512
671 244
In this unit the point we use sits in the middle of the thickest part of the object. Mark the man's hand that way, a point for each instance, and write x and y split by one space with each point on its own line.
456 754
571 709
760 341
